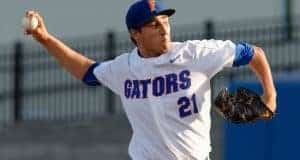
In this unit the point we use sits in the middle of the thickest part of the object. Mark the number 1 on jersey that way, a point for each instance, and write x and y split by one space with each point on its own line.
185 106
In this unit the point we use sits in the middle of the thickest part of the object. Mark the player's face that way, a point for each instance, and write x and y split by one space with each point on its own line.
154 38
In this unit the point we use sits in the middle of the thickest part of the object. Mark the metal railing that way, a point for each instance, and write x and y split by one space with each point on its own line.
34 87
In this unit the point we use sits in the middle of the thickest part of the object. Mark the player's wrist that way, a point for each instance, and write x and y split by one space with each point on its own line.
45 39
270 101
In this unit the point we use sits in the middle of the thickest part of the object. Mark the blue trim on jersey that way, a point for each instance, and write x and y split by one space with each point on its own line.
89 77
243 54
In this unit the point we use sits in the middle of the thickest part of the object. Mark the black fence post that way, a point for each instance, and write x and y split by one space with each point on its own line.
288 19
209 29
18 81
110 54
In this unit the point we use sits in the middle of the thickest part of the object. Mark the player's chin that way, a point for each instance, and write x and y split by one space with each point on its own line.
165 47
163 50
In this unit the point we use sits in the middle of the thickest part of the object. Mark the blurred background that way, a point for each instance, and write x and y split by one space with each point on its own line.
46 114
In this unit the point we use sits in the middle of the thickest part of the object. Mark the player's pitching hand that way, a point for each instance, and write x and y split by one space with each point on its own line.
39 33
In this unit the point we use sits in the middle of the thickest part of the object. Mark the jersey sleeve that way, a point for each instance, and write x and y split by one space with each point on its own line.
108 74
243 54
212 55
215 55
89 77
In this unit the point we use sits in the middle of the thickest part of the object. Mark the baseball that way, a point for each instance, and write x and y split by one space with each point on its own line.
30 23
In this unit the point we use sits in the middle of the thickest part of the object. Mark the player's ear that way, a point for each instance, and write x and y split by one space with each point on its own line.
133 32
134 35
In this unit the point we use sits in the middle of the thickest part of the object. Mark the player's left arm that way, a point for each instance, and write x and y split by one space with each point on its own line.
260 66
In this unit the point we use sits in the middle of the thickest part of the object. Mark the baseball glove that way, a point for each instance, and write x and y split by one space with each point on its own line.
242 106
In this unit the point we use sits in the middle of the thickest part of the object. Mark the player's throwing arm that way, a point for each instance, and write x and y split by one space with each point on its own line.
69 59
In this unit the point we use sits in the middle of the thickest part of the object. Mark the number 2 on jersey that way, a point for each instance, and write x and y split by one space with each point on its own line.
185 106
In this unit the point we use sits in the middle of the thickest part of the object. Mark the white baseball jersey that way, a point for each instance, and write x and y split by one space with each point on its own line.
168 98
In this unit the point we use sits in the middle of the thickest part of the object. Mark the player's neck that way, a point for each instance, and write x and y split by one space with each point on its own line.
149 54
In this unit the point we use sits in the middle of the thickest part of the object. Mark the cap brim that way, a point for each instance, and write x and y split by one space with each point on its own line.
168 12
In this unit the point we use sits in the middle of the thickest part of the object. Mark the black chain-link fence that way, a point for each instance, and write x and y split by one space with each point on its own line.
34 87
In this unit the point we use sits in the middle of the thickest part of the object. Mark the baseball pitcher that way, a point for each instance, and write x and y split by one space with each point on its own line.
164 85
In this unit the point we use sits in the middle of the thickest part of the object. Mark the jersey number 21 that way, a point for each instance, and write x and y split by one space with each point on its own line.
187 106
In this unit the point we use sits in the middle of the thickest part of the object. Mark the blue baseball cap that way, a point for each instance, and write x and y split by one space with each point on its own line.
143 11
